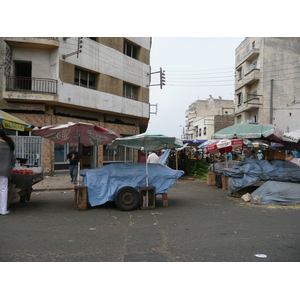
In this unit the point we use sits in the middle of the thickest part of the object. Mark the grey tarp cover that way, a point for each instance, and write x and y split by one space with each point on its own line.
250 171
279 193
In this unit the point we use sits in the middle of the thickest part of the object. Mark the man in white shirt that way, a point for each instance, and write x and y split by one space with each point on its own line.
153 158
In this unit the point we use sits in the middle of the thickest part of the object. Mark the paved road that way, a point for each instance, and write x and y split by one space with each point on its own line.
201 224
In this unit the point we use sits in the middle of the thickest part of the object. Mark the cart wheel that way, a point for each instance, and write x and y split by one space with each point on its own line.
127 198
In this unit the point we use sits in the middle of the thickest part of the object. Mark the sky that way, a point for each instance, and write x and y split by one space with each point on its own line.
195 67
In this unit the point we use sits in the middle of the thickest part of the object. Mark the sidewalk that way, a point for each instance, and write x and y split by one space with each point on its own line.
60 181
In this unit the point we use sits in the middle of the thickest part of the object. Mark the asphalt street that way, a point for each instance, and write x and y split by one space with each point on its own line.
201 224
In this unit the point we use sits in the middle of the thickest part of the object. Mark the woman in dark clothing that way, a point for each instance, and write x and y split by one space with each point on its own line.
7 158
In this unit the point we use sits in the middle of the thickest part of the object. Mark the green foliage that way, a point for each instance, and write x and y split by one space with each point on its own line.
196 168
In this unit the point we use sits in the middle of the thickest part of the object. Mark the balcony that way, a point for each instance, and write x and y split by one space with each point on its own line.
248 79
46 43
247 56
31 85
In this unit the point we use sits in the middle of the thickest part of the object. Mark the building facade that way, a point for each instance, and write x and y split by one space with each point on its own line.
267 86
205 117
101 80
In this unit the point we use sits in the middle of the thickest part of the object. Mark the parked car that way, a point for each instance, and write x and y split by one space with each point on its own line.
121 183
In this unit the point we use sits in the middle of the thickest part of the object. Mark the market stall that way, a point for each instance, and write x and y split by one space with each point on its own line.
21 184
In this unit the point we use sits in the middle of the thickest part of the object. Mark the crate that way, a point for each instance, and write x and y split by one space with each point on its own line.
150 190
219 180
225 182
80 197
274 154
211 178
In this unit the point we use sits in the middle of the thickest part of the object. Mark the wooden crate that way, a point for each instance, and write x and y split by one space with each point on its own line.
211 178
225 182
80 197
274 154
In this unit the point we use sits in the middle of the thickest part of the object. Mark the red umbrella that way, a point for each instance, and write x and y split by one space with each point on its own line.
224 146
77 133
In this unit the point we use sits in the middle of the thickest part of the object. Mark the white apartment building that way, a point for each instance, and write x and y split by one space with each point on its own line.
267 86
205 117
100 80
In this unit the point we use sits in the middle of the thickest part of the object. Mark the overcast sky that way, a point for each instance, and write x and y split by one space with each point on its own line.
195 67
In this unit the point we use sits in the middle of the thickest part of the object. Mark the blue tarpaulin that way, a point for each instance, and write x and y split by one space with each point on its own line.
250 171
104 182
278 193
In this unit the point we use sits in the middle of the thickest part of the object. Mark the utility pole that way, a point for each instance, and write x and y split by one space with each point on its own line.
162 78
79 46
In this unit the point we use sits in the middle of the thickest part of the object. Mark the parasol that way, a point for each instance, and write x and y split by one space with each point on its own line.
150 142
75 134
277 135
244 131
11 122
224 145
293 136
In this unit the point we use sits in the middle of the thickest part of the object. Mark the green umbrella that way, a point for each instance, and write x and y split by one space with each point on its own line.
244 131
148 142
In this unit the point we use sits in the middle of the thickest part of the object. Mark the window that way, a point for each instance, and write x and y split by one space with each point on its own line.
204 131
200 132
130 50
122 154
240 98
85 79
240 73
60 152
130 91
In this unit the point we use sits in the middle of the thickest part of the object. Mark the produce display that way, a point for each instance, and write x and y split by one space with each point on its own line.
23 171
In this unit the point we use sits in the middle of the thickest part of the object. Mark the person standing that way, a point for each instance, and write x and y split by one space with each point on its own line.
153 158
253 154
259 155
74 157
295 154
229 156
7 147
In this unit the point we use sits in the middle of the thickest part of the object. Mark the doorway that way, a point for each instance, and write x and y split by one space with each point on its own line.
89 157
23 71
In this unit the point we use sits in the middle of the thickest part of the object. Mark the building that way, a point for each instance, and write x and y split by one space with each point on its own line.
99 80
267 86
205 117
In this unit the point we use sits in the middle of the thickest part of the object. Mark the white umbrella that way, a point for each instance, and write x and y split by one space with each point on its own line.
293 136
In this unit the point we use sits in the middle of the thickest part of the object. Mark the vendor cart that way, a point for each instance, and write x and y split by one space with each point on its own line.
23 184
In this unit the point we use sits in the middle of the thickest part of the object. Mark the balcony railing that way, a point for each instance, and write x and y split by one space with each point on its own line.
31 84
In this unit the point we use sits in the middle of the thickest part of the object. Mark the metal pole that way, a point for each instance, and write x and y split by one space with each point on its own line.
78 167
271 102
